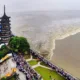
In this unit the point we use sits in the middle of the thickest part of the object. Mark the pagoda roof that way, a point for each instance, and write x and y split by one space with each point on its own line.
4 16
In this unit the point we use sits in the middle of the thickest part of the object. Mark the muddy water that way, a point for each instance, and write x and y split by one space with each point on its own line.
67 54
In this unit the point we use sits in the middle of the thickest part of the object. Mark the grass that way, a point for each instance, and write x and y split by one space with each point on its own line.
33 62
46 73
27 56
12 78
34 57
42 63
3 53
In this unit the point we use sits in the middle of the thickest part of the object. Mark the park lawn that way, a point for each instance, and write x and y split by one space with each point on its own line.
46 73
13 78
33 62
43 64
27 56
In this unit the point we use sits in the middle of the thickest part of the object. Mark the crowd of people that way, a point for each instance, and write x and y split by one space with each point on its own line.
57 69
24 67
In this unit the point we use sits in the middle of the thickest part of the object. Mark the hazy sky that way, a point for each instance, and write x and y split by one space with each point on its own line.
25 5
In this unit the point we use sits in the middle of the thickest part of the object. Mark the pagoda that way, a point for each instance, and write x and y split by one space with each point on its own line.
5 29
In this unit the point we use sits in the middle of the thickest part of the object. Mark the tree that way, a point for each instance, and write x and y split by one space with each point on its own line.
3 51
4 47
14 43
3 78
1 54
19 44
24 45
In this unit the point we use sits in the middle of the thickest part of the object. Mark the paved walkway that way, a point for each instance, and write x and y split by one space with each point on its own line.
30 59
7 67
21 75
37 65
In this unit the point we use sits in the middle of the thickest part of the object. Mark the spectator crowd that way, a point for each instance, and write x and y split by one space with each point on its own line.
24 67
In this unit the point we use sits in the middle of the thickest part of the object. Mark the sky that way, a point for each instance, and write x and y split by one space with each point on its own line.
39 5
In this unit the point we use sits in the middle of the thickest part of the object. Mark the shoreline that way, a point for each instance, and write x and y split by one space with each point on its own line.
69 68
61 38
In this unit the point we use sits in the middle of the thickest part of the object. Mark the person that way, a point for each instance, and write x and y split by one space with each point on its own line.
33 78
40 78
50 77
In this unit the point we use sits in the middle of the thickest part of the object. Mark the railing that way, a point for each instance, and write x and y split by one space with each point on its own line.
5 36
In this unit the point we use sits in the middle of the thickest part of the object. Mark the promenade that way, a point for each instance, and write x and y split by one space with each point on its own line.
57 69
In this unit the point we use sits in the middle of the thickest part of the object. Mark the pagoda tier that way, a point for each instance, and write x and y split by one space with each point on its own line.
4 16
5 29
3 22
4 33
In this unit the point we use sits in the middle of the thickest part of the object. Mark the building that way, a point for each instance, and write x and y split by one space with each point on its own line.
5 29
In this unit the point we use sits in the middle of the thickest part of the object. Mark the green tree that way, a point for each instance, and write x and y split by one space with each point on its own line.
3 51
1 54
3 78
4 47
19 44
14 43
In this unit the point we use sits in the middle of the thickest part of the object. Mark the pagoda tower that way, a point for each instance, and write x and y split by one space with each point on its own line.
5 29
